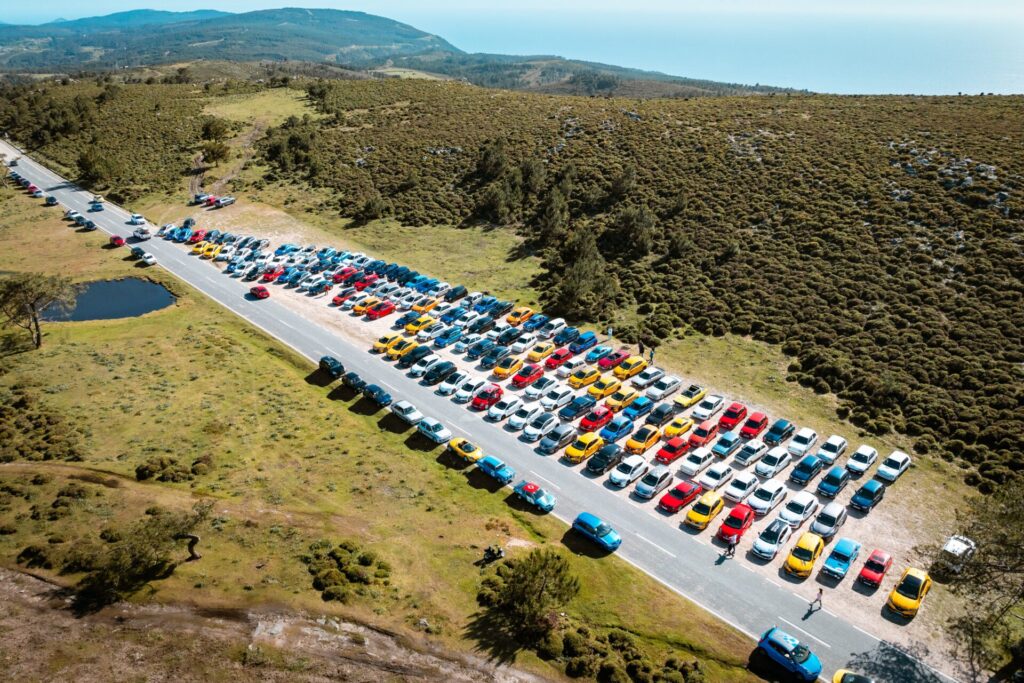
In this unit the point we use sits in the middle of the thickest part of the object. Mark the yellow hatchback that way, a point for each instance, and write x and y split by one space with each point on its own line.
584 377
643 439
622 398
540 352
604 387
465 449
906 598
384 343
804 554
198 247
428 305
583 447
419 323
630 367
519 315
508 367
678 427
361 307
704 510
211 250
401 347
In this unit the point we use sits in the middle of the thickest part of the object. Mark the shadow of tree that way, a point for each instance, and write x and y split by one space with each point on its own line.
493 636
890 663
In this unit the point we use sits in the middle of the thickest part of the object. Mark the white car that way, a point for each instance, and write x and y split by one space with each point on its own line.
803 442
556 398
136 219
523 416
142 233
799 509
648 377
539 426
149 259
767 496
409 300
696 462
829 520
628 471
893 466
570 366
751 452
551 328
539 388
434 430
465 342
466 318
773 462
225 253
357 298
664 387
654 482
525 341
862 458
467 391
431 331
716 476
833 449
741 486
423 364
406 412
505 407
708 408
772 539
441 309
452 384
164 229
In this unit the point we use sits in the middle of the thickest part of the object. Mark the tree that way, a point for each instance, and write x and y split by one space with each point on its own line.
585 286
95 169
24 298
623 183
493 162
633 230
533 589
215 129
554 218
215 152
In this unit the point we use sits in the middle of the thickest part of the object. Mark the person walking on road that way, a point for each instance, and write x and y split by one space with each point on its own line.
816 601
730 548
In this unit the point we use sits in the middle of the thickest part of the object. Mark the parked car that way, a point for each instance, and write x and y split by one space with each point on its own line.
496 469
579 406
378 395
804 554
505 407
892 467
807 469
583 342
833 449
613 359
829 520
754 426
597 530
539 426
767 497
751 452
523 416
716 476
643 439
868 496
727 444
672 450
735 414
556 398
908 595
596 419
772 539
332 367
662 387
862 459
439 372
875 568
535 323
708 408
406 412
842 557
834 481
773 462
535 495
679 497
654 482
434 430
629 470
662 414
707 507
741 486
704 433
735 524
696 462
799 509
648 377
539 388
803 442
583 447
607 457
630 367
557 439
780 431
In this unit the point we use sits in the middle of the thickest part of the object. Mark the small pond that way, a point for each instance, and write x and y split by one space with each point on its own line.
110 299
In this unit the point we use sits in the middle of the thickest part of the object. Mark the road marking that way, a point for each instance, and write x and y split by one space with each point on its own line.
550 483
655 545
808 633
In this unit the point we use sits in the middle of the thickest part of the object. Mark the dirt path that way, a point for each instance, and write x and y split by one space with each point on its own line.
246 151
40 639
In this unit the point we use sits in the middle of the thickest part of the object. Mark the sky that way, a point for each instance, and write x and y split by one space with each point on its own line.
842 46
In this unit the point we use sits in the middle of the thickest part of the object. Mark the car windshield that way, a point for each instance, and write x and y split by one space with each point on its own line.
771 534
830 447
734 522
714 475
650 479
874 565
602 529
800 439
771 460
796 507
800 654
826 519
540 420
833 478
700 431
579 444
891 462
523 412
702 508
625 468
695 459
802 553
860 456
909 587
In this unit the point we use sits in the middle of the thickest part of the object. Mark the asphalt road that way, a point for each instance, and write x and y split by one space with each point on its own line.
729 590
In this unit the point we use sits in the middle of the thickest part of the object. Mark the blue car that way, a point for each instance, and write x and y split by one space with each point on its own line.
808 468
597 530
790 654
183 234
535 495
535 322
834 481
566 336
484 303
451 316
378 395
638 408
479 349
398 273
285 249
727 444
619 428
449 336
585 341
842 557
326 253
779 432
407 318
235 266
597 353
213 235
496 469
868 496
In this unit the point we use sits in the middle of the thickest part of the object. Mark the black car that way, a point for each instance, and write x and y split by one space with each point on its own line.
509 336
407 276
415 356
481 325
398 273
387 270
439 373
663 413
578 407
407 318
497 354
455 293
558 438
332 366
353 381
478 349
138 252
378 395
500 308
605 459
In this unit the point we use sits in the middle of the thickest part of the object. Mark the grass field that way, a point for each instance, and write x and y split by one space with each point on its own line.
292 462
268 107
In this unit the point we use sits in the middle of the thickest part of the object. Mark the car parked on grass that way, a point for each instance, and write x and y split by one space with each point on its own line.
496 469
767 497
332 367
892 467
910 591
406 412
378 395
862 459
535 495
829 521
868 496
772 539
465 449
597 530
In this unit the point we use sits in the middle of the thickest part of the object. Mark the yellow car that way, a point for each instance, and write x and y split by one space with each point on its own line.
465 449
519 315
541 351
691 396
907 596
604 387
427 305
630 367
198 247
508 367
361 307
583 447
804 554
704 510
642 439
419 323
211 250
678 427
401 347
847 676
386 342
584 377
622 398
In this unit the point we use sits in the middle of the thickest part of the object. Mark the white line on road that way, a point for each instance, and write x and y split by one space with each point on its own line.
655 545
807 633
550 483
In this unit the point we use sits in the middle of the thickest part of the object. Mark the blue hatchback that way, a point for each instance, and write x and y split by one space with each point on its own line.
868 496
566 336
790 654
585 341
597 530
449 336
727 444
496 469
805 470
638 408
535 322
620 427
834 481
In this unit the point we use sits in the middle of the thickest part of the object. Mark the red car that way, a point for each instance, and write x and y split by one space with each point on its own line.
704 434
366 281
487 397
342 274
679 497
527 375
874 569
352 278
197 236
378 311
597 418
272 275
733 415
613 359
116 241
211 200
558 358
674 448
340 297
260 292
755 424
736 524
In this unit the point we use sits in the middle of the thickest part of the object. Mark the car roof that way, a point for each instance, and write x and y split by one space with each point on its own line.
835 439
633 460
781 423
588 518
872 485
808 539
804 497
833 508
846 545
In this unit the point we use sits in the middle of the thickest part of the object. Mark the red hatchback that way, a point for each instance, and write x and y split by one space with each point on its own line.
755 424
674 448
366 281
487 397
272 275
613 359
260 292
558 358
342 274
197 236
378 311
875 568
679 497
527 375
703 434
733 415
116 241
340 297
736 524
597 418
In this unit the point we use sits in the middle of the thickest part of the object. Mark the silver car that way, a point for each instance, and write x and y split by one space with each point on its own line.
628 471
648 377
654 482
539 388
767 496
773 462
505 407
829 520
557 398
752 451
451 385
467 391
664 387
772 539
558 438
708 408
799 509
523 416
832 449
539 426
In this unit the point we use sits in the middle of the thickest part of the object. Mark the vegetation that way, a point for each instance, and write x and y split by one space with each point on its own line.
340 570
26 298
528 592
31 430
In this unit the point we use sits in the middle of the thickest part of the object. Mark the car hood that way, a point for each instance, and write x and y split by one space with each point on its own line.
823 530
799 565
901 601
836 566
887 471
618 477
765 548
790 518
856 466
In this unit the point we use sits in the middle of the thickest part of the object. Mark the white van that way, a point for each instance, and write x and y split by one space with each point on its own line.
551 328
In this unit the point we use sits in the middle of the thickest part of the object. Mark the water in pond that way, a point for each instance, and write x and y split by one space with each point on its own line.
109 299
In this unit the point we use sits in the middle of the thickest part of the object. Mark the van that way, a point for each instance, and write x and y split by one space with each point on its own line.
551 328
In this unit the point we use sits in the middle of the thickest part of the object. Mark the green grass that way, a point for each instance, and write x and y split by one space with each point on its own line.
267 107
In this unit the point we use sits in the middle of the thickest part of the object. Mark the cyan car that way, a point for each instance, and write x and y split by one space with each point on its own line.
535 495
597 353
597 530
496 469
727 444
790 654
868 496
842 557
619 428
779 432
638 408
834 481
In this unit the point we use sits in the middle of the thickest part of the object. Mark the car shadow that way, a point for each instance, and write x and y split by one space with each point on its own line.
392 423
319 378
687 529
751 556
451 461
364 406
579 544
249 296
789 578
894 618
417 442
478 480
864 589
